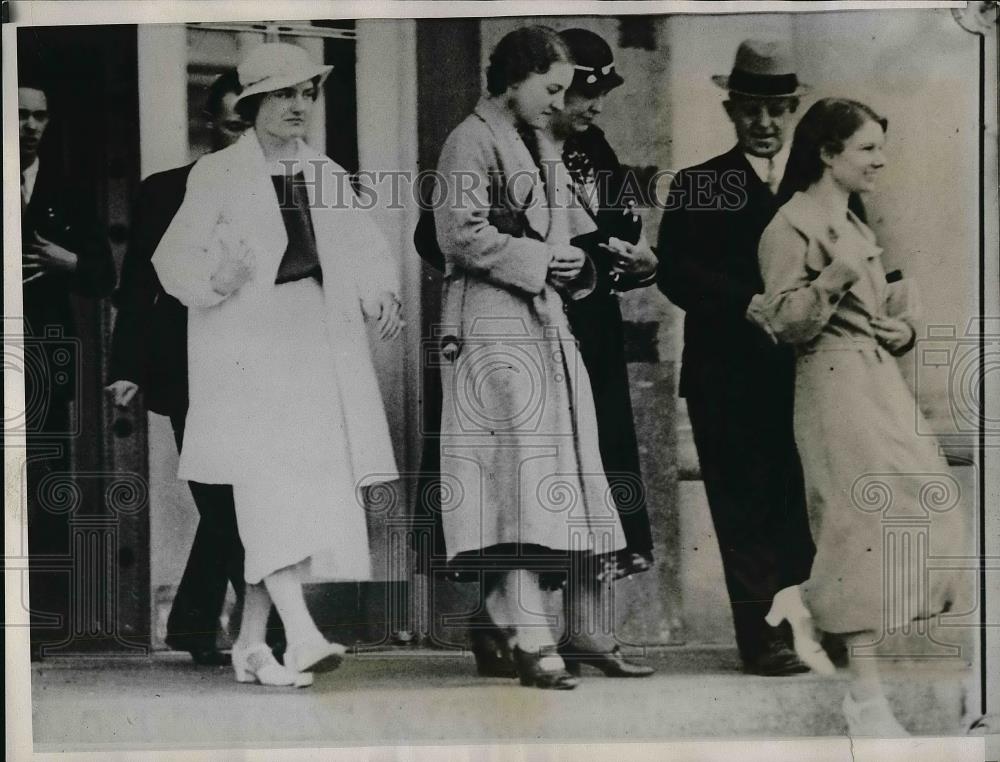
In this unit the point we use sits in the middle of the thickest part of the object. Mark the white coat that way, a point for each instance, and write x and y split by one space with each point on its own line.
230 197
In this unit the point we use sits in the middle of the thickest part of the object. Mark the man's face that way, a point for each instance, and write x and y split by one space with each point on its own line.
227 126
33 118
761 123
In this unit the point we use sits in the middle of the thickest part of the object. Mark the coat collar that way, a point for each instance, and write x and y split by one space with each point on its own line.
516 161
815 221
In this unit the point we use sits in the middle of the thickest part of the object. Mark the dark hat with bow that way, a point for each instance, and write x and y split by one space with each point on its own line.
593 62
762 69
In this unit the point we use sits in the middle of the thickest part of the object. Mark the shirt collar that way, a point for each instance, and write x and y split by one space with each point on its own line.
30 175
760 164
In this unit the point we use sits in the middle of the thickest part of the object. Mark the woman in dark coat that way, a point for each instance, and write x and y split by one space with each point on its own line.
623 261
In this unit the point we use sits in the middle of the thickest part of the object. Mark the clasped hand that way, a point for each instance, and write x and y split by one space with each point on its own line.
566 264
387 311
892 333
630 258
236 267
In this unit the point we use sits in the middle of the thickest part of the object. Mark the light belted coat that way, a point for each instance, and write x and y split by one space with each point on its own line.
230 197
873 484
519 451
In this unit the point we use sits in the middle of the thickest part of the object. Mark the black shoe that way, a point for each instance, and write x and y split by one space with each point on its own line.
778 660
530 671
489 646
611 663
204 656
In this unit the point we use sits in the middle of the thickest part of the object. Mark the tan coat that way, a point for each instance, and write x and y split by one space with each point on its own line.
519 453
876 489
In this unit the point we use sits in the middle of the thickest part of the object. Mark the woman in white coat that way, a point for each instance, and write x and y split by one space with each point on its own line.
278 270
865 466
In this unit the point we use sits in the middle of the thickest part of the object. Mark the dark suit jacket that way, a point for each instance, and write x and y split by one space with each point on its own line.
715 215
149 346
57 212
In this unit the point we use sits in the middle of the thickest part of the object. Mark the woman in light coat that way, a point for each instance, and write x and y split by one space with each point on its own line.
278 271
522 480
865 466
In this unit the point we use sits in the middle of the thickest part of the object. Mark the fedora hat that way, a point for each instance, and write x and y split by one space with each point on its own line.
762 69
593 63
277 65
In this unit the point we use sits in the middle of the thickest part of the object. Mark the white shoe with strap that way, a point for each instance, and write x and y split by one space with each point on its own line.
256 664
788 607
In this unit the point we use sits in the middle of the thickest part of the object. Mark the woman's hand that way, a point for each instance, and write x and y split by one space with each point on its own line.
566 264
635 259
387 310
892 333
235 268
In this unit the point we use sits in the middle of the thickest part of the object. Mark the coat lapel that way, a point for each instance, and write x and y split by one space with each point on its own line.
825 235
526 192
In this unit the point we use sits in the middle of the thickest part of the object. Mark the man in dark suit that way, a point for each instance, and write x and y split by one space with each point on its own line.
149 351
738 385
64 252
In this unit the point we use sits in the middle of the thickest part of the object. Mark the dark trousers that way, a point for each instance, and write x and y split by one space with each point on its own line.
753 479
215 560
51 504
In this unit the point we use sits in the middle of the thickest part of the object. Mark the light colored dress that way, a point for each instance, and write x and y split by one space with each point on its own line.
882 502
285 403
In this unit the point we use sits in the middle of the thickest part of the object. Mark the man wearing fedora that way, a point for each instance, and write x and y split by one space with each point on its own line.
738 385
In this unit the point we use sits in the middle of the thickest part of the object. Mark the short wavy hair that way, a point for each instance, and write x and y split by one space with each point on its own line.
527 50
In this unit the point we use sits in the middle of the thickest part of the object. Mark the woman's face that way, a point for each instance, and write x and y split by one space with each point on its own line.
284 114
540 95
856 167
578 113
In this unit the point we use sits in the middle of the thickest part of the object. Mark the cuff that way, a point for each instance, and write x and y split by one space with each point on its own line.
836 280
756 313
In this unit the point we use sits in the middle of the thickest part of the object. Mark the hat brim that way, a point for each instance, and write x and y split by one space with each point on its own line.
604 85
270 84
723 81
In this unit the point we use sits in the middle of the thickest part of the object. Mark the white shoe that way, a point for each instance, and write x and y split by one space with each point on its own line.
788 607
872 718
256 664
315 655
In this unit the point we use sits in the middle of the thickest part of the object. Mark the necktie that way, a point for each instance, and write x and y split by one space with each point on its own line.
773 180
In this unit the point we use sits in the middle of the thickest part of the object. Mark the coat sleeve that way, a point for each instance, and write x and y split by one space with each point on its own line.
795 305
902 301
684 250
466 236
375 270
134 298
183 261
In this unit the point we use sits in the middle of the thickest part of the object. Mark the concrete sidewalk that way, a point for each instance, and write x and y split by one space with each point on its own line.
420 697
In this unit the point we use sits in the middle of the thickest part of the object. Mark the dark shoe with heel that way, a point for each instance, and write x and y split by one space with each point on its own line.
532 670
612 663
489 646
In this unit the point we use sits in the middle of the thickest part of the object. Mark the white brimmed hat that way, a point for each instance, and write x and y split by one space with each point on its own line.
277 65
